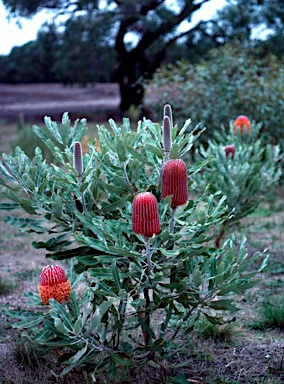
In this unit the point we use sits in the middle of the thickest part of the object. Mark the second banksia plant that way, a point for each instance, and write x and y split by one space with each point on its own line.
142 284
248 179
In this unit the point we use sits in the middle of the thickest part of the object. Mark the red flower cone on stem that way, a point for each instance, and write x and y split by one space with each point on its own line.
241 122
174 182
145 215
230 149
54 284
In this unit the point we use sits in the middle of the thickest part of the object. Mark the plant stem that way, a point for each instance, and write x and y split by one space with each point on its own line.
148 255
126 177
146 316
172 222
186 316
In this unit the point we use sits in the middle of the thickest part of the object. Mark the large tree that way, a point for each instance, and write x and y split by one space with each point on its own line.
154 24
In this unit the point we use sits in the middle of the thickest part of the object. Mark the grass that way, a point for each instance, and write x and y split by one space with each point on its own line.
218 332
273 313
6 284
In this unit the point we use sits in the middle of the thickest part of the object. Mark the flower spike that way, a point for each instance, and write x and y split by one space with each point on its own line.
145 215
175 182
242 122
54 285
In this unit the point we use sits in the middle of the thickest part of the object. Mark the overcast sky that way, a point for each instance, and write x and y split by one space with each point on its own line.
12 34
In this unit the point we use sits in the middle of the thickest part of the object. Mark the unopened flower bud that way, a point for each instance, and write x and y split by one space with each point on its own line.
175 182
230 149
168 112
241 122
54 284
145 215
167 134
78 157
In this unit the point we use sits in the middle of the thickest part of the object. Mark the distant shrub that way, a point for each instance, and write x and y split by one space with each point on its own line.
233 82
240 166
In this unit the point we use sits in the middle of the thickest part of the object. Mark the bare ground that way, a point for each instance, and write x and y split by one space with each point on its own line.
32 102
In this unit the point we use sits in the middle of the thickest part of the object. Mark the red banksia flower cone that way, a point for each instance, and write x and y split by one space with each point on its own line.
241 122
145 215
54 285
174 182
230 149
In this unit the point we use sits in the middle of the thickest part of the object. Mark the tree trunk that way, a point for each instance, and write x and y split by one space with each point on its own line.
128 76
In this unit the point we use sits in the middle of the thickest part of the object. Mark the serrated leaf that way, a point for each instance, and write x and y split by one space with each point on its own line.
61 327
120 148
146 327
53 128
223 305
29 322
155 150
220 272
28 182
60 310
174 152
197 278
57 207
77 356
120 361
138 155
9 206
115 274
34 224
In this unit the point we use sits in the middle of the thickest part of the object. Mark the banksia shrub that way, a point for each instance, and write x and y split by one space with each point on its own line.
131 278
54 285
175 182
230 150
145 215
242 124
246 181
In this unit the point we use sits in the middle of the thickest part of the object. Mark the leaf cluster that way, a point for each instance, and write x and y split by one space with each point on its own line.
247 178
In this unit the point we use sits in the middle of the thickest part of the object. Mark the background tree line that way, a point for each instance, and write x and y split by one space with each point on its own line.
92 45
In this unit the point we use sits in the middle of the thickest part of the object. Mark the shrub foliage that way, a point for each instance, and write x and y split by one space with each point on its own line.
242 167
232 82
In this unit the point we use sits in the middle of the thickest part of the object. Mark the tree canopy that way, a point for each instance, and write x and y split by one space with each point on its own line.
129 39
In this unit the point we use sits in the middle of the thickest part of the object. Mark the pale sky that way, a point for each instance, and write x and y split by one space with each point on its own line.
11 34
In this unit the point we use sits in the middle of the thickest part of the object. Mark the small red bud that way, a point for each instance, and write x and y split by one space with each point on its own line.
174 182
145 215
242 121
54 284
230 149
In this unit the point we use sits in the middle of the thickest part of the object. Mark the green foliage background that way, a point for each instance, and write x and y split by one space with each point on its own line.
232 82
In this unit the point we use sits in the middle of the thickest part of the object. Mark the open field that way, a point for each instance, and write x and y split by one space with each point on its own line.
31 102
253 350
